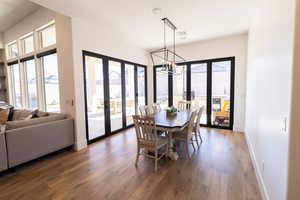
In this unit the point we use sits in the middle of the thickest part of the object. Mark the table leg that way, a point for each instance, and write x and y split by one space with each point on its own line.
172 154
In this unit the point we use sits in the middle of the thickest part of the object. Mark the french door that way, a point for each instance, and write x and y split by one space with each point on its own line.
208 83
114 89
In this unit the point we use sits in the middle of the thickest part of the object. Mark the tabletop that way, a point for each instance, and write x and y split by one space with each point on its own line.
177 121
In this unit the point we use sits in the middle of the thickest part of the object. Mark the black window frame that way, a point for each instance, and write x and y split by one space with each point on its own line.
105 60
209 87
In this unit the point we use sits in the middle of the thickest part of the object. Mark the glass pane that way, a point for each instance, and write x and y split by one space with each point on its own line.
31 84
51 83
162 88
13 50
179 85
115 95
16 85
48 36
199 88
95 96
141 86
130 97
221 93
28 44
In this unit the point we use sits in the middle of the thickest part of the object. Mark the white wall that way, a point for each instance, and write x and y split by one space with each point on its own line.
235 45
64 49
102 39
270 51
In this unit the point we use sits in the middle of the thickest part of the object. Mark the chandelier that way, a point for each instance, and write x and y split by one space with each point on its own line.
165 57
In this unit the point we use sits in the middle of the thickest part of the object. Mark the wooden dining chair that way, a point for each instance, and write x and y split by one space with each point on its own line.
184 105
148 139
186 135
196 128
145 110
156 108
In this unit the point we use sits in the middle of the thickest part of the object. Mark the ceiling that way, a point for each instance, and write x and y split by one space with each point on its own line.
12 11
135 22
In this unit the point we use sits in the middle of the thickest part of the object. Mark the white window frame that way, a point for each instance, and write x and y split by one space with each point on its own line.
22 44
12 85
43 95
40 39
26 93
9 50
39 68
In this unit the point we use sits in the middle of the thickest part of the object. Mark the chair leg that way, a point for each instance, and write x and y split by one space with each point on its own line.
193 145
137 156
167 150
187 149
199 134
196 138
156 155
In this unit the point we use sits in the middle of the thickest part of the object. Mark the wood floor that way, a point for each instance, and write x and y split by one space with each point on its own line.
219 170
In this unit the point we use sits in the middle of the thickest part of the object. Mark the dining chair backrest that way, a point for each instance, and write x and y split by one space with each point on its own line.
184 105
145 129
156 108
142 110
145 110
150 110
190 126
199 114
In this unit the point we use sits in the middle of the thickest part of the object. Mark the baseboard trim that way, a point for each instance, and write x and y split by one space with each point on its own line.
79 145
261 184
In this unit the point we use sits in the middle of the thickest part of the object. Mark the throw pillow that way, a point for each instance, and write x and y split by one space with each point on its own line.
42 114
11 113
4 116
21 114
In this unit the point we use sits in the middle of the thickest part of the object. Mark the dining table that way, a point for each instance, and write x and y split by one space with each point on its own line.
170 123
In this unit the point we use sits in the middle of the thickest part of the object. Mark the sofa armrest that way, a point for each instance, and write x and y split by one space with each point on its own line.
30 142
3 153
2 129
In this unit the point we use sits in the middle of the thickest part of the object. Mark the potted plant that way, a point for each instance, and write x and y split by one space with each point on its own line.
172 111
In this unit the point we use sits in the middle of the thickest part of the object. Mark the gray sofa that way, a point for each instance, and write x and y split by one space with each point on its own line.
3 153
30 139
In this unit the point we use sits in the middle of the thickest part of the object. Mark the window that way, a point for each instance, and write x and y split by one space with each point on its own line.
162 84
48 36
51 83
16 83
208 83
199 87
34 74
12 50
114 90
220 98
27 44
94 96
141 74
31 81
115 95
129 93
179 85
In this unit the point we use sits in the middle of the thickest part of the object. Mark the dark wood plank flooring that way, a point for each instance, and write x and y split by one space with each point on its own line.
220 170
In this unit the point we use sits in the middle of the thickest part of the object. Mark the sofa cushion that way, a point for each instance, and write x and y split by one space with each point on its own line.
23 123
23 114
